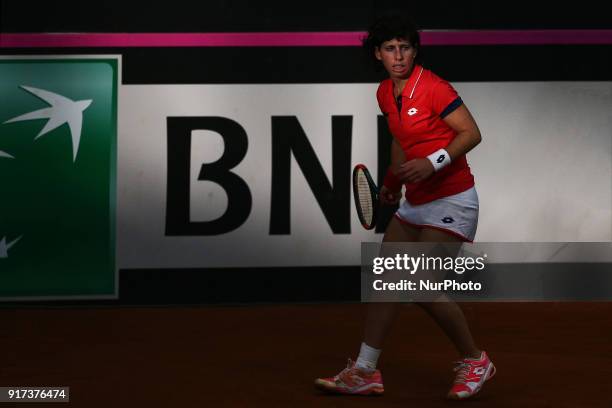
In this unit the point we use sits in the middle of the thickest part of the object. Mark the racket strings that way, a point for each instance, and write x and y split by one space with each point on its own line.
366 204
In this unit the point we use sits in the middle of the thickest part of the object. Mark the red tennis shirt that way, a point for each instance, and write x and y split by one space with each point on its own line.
420 130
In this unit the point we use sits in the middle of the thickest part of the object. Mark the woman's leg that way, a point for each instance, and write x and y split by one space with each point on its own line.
447 313
381 315
475 366
362 377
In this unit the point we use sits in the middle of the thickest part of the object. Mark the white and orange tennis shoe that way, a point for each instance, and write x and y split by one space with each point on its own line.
353 380
470 377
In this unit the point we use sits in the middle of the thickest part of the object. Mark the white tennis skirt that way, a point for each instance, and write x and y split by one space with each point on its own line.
456 214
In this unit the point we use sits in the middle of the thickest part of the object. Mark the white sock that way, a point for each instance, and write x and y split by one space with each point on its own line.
368 357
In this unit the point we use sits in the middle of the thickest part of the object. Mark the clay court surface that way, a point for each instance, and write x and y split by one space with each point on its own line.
547 355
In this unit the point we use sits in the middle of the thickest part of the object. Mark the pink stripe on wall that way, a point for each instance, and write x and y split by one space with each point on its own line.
297 39
516 37
320 39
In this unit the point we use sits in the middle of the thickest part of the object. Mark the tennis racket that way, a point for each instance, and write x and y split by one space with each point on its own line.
366 196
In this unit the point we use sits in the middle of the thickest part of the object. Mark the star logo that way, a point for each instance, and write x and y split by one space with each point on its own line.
62 110
4 247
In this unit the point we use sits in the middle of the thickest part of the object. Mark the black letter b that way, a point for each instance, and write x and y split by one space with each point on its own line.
179 163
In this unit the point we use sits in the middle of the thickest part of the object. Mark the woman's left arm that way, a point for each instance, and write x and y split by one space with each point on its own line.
468 134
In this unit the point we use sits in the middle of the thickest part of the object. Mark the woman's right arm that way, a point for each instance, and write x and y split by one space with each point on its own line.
397 155
391 196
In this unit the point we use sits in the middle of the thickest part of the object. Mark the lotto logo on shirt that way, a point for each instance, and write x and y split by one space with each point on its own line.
412 111
58 126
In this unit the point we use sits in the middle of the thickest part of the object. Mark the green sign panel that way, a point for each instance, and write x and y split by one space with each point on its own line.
58 138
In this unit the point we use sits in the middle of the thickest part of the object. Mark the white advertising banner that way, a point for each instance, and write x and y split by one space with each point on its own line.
543 170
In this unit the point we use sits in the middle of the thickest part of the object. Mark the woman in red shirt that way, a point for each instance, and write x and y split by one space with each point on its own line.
432 132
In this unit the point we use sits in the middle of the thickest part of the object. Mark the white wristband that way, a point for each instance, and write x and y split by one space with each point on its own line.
439 159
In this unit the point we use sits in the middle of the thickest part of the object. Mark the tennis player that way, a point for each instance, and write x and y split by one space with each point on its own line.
432 132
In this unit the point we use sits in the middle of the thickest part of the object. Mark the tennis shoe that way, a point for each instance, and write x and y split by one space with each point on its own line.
353 380
471 375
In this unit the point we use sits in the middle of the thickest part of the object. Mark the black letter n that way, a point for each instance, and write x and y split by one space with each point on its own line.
334 199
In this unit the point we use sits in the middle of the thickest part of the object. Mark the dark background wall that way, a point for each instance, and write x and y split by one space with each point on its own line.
244 16
312 64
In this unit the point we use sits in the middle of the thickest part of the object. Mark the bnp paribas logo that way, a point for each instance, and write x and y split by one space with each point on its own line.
61 111
58 130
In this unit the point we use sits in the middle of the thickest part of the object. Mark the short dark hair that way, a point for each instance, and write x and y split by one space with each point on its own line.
389 27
